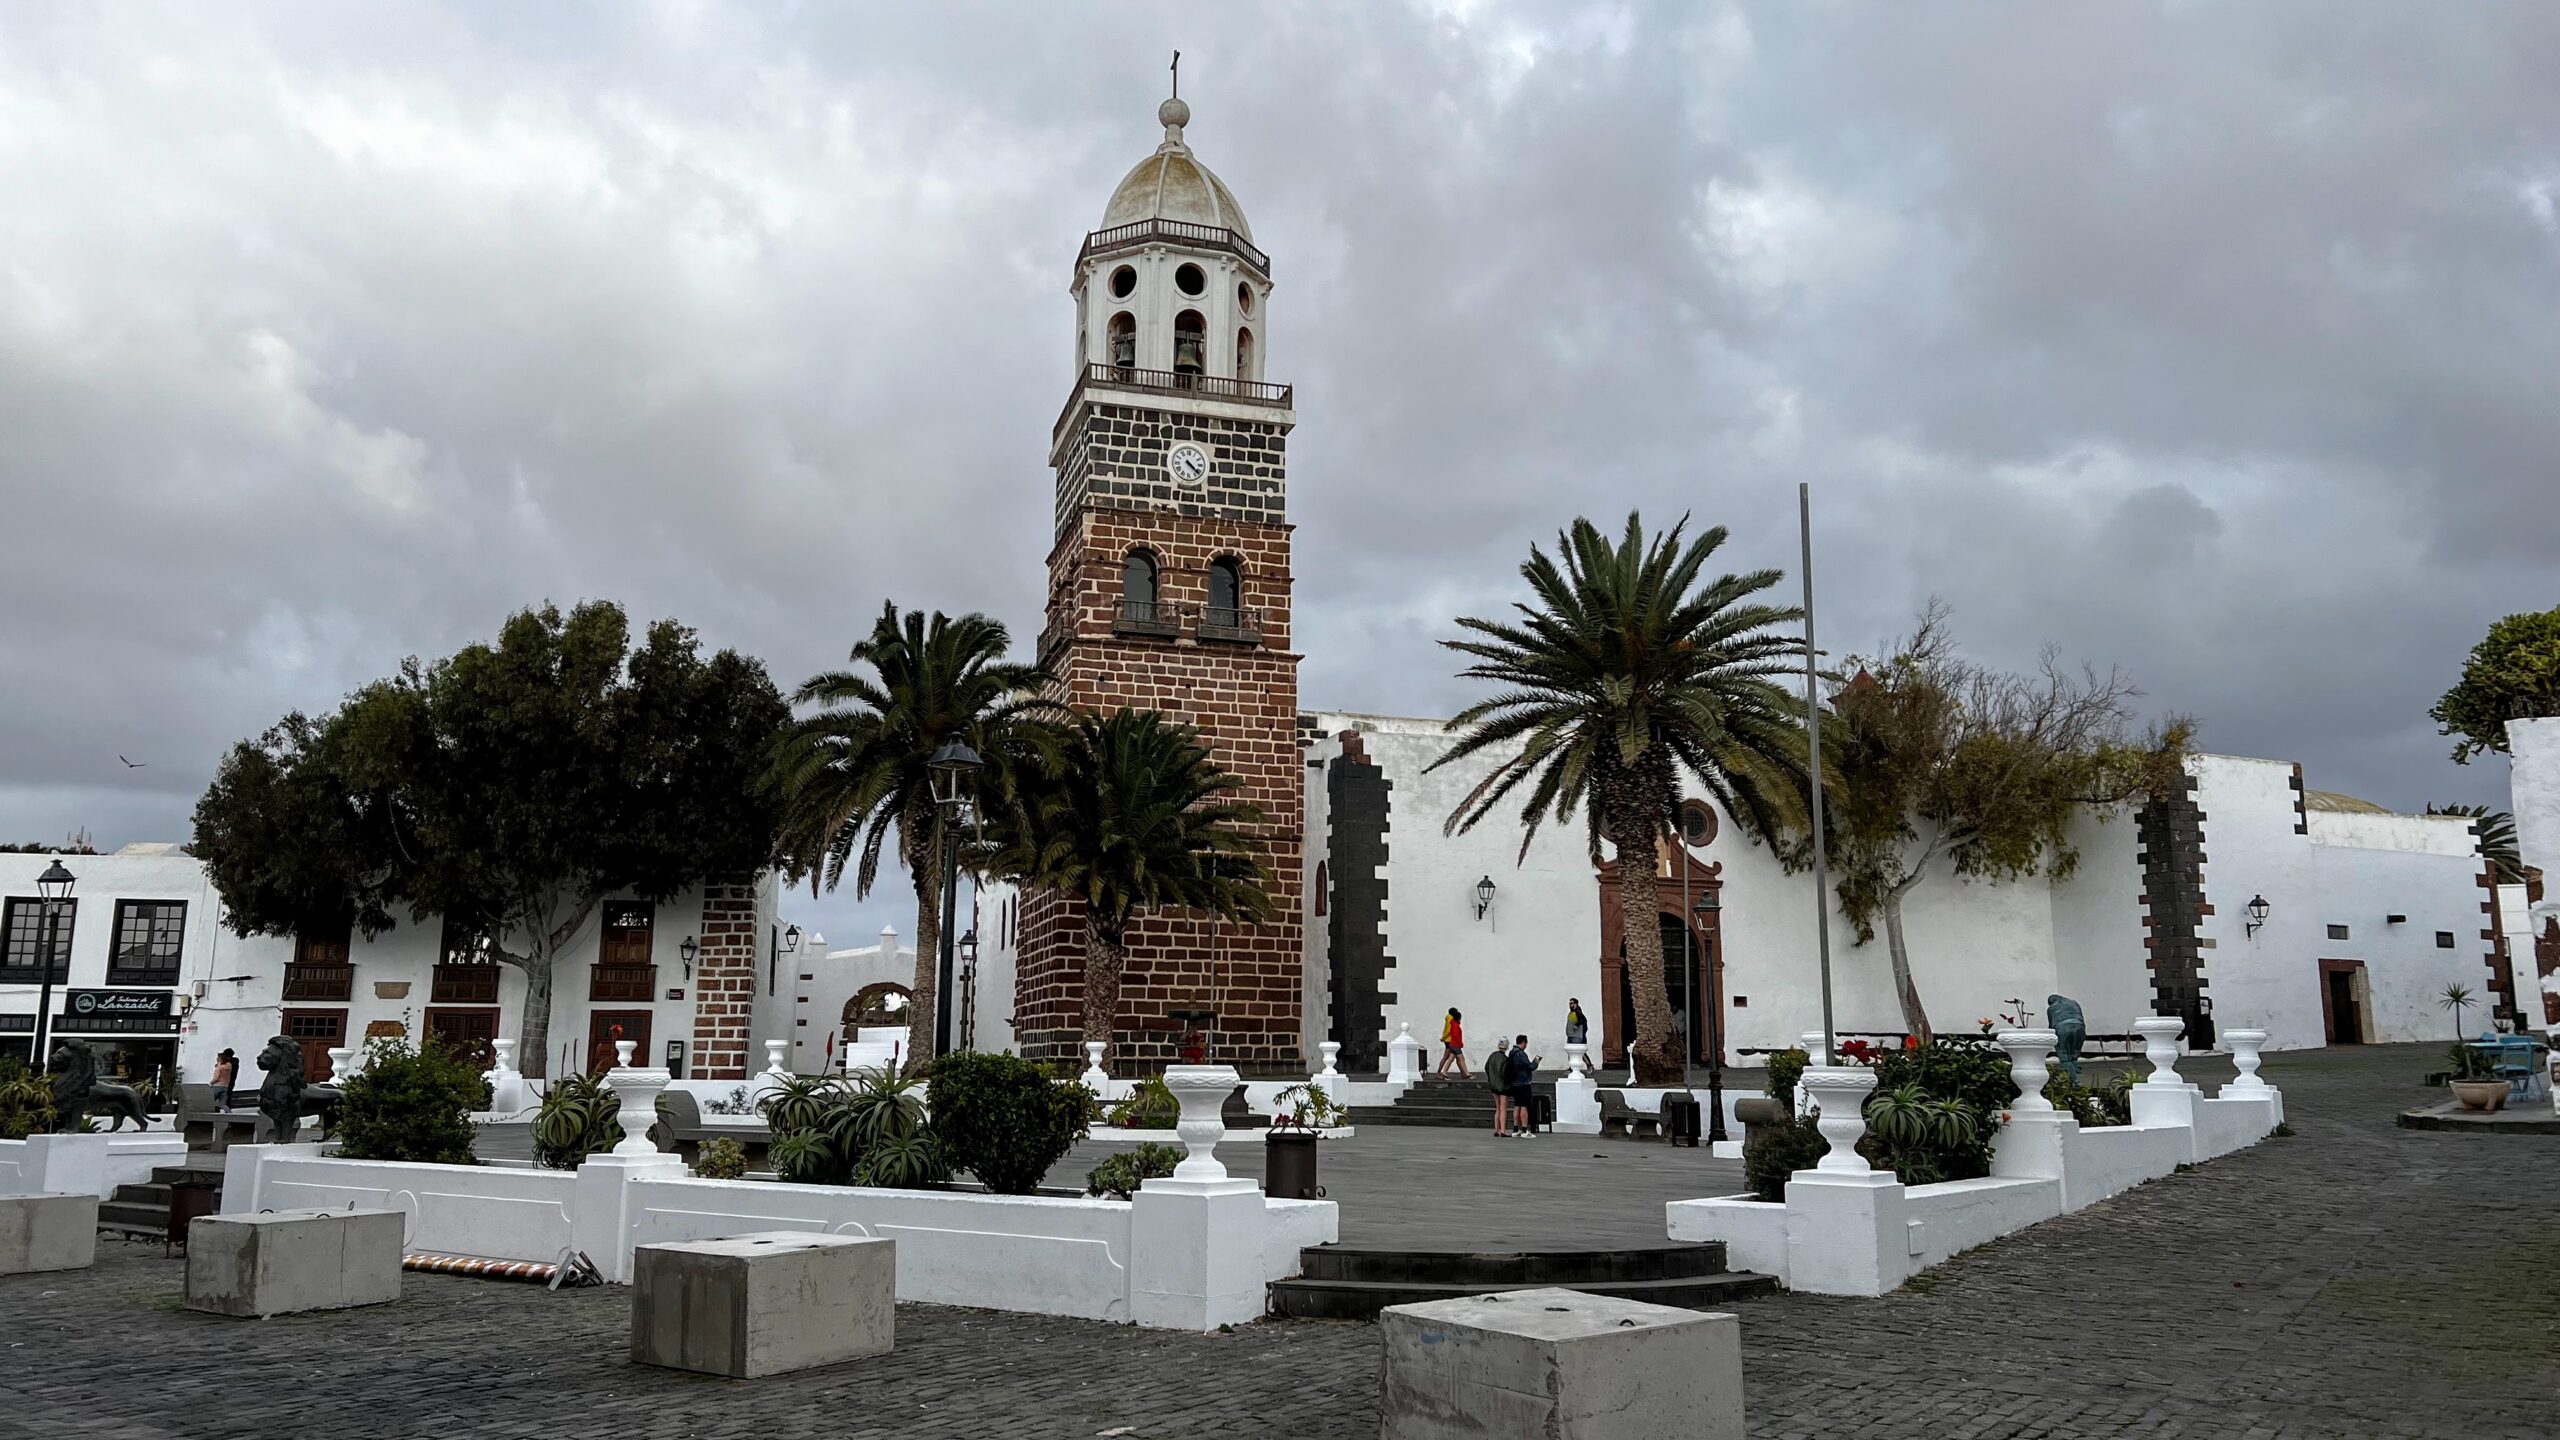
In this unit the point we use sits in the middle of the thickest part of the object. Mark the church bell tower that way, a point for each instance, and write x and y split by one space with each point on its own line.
1169 591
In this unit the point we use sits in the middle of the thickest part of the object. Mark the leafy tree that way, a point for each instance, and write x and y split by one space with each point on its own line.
2497 832
412 1103
511 789
855 768
1128 813
2513 674
1943 764
1631 671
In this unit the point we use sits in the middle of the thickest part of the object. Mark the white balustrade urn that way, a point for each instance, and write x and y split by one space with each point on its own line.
2245 1045
1577 1059
1202 1092
1839 1093
622 1053
1332 1050
1404 1054
638 1092
2027 1050
1095 1078
2160 1046
773 1064
342 1062
1816 1053
506 1051
506 1084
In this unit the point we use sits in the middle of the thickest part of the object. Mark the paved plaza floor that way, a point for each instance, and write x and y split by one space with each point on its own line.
2356 1280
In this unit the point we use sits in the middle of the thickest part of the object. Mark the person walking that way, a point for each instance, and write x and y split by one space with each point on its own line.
1453 1043
226 1073
1577 1030
1522 1072
1497 1078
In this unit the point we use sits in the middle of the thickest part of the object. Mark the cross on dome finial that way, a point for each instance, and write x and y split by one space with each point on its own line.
1173 114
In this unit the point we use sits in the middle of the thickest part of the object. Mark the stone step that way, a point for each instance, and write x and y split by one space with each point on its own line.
132 1218
1496 1269
154 1194
1363 1299
187 1174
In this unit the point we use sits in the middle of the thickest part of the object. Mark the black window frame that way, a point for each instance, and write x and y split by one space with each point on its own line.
120 969
32 908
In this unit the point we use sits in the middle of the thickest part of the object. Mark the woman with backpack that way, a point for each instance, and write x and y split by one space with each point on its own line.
1453 1043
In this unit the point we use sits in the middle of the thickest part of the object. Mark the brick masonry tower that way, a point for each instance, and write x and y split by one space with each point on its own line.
1169 591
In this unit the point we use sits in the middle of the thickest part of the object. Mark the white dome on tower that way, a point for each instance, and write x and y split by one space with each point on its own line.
1172 184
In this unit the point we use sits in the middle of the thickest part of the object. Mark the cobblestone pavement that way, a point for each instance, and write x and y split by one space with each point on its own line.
2353 1281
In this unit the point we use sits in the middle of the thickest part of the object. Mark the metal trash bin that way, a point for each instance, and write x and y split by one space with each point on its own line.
1680 1118
1289 1166
189 1199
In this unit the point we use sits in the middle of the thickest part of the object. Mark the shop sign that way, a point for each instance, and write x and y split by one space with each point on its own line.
118 1012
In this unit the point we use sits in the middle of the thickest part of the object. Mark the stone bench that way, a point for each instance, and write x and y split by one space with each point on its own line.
47 1232
762 1304
1559 1363
283 1261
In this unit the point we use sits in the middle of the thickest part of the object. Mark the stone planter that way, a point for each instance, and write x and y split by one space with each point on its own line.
2481 1094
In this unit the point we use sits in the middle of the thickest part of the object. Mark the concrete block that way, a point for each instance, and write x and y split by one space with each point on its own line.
1562 1364
763 1304
284 1261
47 1232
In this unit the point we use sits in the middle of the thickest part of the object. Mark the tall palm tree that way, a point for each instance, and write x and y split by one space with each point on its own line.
1630 671
1130 814
855 767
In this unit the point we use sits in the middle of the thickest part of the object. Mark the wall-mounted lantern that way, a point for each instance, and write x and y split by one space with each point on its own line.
687 948
2257 915
1484 896
790 939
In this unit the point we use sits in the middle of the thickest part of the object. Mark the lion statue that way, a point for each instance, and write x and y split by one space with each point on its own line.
73 1068
284 1097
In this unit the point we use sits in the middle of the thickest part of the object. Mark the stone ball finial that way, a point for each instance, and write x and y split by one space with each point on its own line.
1174 113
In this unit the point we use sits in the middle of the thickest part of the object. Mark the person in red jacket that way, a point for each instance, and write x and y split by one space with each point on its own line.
1453 1044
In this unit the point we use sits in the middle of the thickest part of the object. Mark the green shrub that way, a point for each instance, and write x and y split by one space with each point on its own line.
1969 1077
411 1102
576 1120
903 1162
2466 1062
1122 1174
1775 1152
800 1104
722 1159
1151 1106
880 1107
1786 1070
26 1101
804 1158
2109 1102
1307 1107
1003 1119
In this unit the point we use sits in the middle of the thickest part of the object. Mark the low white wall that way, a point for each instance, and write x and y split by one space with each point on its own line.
1295 1225
1949 1218
998 1252
2114 1158
1754 1231
93 1164
488 1212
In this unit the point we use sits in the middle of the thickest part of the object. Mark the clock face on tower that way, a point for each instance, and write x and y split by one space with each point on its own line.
1189 464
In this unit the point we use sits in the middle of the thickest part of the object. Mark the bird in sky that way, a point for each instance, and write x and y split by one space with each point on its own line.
133 764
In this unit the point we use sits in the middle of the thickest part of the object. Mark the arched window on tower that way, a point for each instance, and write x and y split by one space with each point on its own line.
1244 354
1190 343
1138 588
1226 593
1124 340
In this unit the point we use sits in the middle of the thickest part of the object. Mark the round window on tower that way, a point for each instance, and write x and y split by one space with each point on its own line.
1190 280
1124 282
1244 298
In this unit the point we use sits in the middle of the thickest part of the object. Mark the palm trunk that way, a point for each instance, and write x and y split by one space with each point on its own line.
1104 959
1655 1052
1914 1018
924 995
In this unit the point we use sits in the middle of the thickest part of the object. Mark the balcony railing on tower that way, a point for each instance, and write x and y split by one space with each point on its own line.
623 982
1231 622
1184 231
319 982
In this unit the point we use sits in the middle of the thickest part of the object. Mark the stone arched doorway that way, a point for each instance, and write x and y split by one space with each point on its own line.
874 1005
1693 961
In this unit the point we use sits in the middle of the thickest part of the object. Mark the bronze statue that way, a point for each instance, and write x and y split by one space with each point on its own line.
77 1089
280 1094
2070 1032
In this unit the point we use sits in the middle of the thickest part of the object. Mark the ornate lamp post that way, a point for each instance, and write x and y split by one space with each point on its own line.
54 886
955 768
1711 1000
969 989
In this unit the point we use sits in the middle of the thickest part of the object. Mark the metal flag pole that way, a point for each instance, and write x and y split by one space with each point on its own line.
1813 751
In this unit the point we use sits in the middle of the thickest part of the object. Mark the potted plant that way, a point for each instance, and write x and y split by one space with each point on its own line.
1289 1150
2475 1080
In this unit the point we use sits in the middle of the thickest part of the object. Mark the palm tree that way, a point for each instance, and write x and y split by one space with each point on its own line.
1130 814
2497 832
855 767
1630 672
2456 998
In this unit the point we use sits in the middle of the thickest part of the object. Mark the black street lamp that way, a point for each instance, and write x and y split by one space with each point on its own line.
955 767
54 886
969 989
1712 1001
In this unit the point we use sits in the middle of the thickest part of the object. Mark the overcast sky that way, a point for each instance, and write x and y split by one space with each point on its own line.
2215 342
